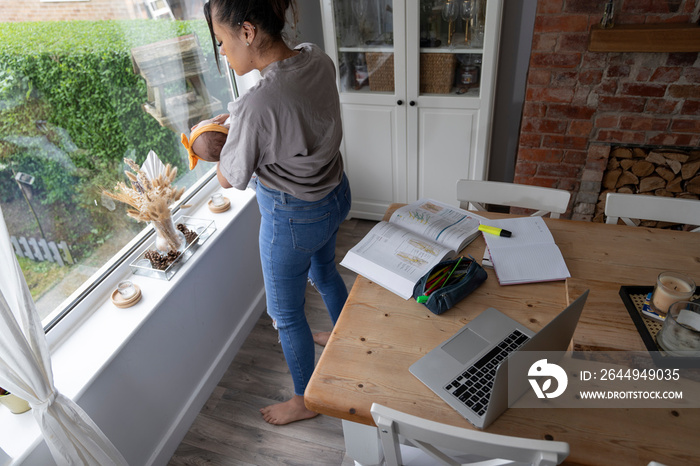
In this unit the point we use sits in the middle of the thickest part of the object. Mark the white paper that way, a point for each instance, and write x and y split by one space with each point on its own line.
529 255
152 166
442 223
397 253
394 258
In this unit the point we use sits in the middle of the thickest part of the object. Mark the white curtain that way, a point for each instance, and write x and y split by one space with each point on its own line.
25 370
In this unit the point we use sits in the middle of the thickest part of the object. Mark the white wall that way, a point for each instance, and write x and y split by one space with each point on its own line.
149 394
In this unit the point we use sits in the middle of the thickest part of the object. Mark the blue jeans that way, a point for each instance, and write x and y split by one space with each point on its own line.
297 241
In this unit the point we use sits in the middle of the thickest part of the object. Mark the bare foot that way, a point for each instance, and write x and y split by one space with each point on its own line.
286 412
321 338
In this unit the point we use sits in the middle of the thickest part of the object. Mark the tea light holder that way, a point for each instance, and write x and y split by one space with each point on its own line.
671 287
680 333
126 295
217 199
126 289
219 203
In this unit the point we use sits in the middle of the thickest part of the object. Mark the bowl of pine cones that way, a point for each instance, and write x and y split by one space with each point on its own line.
155 263
150 195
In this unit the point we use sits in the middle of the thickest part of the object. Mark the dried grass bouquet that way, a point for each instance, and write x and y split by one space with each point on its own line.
150 196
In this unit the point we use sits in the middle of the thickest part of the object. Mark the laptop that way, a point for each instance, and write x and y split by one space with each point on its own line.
470 370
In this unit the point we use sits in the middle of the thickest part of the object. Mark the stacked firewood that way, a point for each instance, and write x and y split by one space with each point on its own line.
655 172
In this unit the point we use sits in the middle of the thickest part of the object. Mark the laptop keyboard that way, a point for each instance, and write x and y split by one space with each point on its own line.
473 386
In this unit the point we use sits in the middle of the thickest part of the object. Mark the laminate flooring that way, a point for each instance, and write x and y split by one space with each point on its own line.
229 430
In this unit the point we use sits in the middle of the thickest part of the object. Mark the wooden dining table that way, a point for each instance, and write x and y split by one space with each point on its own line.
379 335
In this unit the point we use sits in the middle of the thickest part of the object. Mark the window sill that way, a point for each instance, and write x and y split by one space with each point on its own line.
104 330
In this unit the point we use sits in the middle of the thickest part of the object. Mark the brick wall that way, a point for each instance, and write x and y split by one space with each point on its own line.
35 10
578 102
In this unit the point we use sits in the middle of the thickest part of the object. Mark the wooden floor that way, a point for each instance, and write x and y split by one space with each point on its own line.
230 431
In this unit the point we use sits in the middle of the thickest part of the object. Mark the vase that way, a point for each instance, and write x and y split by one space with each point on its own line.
15 404
168 237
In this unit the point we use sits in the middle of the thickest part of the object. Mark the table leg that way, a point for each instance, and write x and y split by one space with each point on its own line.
362 444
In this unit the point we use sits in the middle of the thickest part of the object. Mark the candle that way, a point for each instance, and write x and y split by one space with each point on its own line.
217 199
126 289
671 287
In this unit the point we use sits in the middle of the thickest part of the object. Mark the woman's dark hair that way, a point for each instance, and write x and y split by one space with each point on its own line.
269 16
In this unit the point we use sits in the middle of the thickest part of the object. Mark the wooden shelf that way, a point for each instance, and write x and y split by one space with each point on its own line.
671 37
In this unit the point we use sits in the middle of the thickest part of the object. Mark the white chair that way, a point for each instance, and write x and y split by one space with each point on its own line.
659 208
436 443
543 200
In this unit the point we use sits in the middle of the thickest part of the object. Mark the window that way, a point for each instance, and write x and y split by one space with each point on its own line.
76 98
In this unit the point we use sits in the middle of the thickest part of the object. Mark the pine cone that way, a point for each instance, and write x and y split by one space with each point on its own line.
158 261
172 256
189 234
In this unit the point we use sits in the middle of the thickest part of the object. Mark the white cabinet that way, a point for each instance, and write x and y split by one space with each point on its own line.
416 96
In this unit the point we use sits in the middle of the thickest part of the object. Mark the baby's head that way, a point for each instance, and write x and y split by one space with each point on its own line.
208 145
205 143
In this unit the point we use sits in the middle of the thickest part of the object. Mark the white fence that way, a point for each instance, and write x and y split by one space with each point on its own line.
41 250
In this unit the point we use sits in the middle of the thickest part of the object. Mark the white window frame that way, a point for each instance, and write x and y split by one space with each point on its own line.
76 307
71 310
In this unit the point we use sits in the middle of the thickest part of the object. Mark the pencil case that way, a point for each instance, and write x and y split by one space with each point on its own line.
448 283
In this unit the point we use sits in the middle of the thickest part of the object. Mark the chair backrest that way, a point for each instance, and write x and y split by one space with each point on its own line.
543 200
659 208
450 445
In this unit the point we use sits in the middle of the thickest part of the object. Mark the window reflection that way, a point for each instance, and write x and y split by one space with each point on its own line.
77 99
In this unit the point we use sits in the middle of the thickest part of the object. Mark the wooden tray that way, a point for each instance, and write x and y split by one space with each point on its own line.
633 297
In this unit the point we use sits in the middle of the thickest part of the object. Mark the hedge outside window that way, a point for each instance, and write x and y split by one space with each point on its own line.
73 105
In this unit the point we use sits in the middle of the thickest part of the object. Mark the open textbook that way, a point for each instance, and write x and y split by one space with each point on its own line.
530 255
397 253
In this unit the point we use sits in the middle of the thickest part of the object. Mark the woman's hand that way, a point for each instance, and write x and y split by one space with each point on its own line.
219 120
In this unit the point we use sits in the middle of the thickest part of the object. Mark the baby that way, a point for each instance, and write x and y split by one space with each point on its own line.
206 140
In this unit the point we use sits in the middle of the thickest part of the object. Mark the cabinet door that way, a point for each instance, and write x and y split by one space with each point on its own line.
451 60
376 173
366 40
446 140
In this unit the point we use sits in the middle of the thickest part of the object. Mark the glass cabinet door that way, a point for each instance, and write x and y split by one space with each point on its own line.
365 42
451 46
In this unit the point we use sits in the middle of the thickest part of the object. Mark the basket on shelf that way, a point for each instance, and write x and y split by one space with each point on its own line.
380 67
437 71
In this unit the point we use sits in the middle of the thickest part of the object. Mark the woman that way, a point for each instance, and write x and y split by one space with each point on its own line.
287 130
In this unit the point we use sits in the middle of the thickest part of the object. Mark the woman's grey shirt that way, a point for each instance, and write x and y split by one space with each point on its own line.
287 128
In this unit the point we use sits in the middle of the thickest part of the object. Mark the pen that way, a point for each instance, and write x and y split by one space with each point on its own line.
442 282
452 271
436 274
495 231
439 278
435 279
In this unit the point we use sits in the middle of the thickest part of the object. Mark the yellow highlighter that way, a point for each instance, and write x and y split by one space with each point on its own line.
495 231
